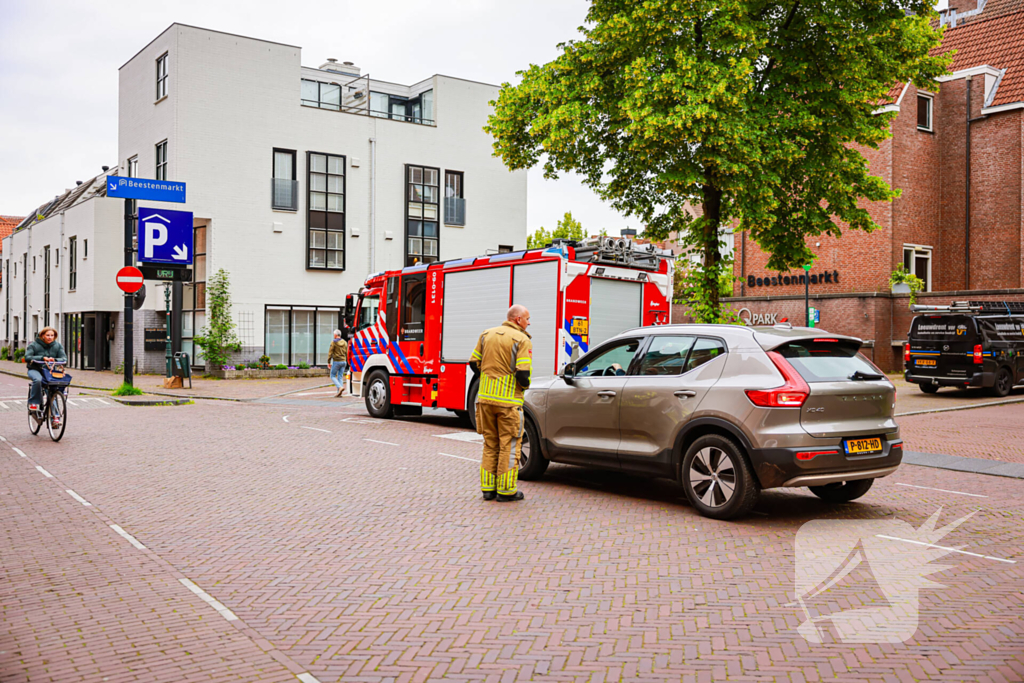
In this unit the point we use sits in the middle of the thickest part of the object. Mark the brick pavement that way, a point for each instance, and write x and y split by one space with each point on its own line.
991 433
910 398
201 388
362 554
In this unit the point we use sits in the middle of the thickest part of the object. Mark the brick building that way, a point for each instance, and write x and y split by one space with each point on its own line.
957 156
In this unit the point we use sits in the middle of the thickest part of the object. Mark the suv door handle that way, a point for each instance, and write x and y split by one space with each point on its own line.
686 394
606 394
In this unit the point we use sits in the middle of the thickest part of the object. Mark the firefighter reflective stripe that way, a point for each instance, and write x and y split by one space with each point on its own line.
499 390
487 480
507 483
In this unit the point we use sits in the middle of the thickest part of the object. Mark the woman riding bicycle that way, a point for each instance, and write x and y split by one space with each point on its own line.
44 349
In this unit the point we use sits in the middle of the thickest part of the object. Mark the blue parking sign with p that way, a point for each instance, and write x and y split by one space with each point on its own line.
165 236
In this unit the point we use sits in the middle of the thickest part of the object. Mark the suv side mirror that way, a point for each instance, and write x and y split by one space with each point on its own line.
568 373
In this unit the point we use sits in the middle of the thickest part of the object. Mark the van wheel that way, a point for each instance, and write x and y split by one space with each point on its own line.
378 396
532 463
1004 383
717 478
471 404
929 388
842 492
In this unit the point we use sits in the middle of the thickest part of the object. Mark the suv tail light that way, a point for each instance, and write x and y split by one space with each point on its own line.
977 354
792 394
906 352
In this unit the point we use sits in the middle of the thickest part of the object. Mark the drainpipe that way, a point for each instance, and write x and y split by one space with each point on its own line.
373 205
60 269
967 195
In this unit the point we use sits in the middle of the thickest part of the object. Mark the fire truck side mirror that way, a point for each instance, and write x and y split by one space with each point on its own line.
350 310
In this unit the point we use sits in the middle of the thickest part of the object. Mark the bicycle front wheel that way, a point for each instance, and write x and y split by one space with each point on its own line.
34 425
57 417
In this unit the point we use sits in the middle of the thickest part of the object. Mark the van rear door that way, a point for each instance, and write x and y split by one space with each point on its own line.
943 346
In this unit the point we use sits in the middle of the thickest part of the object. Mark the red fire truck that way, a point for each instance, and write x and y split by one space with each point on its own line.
412 330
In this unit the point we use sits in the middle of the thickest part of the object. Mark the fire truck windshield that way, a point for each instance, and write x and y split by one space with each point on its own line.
368 306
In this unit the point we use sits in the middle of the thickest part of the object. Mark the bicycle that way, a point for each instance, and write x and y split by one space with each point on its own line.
55 387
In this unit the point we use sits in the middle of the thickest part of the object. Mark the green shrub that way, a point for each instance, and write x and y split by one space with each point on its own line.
127 390
252 365
18 355
280 366
303 366
4 353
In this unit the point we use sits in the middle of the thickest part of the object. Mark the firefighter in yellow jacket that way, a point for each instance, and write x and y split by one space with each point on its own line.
503 359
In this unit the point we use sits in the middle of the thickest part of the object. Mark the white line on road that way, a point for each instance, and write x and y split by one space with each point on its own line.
942 547
19 452
209 599
959 493
285 418
316 393
2 439
459 457
307 678
77 497
315 429
128 536
388 443
45 473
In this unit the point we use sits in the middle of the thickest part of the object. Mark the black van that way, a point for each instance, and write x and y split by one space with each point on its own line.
968 344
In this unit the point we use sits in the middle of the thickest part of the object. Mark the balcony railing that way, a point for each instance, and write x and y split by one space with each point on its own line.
284 194
454 211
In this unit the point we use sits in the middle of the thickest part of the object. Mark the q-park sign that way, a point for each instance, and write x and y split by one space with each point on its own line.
165 237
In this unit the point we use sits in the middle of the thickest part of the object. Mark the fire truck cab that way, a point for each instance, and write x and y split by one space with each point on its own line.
411 331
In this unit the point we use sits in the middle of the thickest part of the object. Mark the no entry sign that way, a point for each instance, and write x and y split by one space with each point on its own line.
129 279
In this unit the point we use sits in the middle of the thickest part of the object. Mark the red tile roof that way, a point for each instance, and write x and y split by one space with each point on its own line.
996 41
8 224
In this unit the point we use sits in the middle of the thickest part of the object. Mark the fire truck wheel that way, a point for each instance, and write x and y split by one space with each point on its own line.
378 396
532 463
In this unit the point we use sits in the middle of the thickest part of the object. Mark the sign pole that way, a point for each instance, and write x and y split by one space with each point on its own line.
129 330
167 323
807 295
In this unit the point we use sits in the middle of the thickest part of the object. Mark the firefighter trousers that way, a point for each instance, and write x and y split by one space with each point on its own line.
502 429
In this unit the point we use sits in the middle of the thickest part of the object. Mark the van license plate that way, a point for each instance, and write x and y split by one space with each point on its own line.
925 362
859 446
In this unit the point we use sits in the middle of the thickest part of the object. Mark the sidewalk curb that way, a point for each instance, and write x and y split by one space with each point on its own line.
959 463
970 407
179 401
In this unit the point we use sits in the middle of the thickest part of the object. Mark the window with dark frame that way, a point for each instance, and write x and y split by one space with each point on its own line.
325 211
321 95
924 112
193 296
299 334
161 160
422 196
72 263
418 109
414 306
505 248
454 203
46 286
284 191
161 76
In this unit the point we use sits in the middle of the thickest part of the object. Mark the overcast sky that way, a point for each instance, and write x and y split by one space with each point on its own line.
59 62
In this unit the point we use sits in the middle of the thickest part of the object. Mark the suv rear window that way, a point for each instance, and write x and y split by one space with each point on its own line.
825 361
942 328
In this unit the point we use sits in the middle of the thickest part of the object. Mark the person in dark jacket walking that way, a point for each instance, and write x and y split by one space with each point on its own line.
337 356
45 348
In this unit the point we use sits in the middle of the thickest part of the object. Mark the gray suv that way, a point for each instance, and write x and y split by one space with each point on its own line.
723 409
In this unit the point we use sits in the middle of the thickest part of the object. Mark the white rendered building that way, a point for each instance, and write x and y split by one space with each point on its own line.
303 181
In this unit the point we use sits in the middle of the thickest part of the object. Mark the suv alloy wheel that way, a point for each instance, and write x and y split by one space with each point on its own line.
717 479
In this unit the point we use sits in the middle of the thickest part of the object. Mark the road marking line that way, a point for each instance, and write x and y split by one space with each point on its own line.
106 403
77 497
131 539
383 442
959 493
462 436
459 457
209 599
314 429
3 439
19 452
942 547
307 678
316 393
285 418
45 473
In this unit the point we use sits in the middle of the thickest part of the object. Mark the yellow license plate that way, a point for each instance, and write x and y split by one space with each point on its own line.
854 446
921 361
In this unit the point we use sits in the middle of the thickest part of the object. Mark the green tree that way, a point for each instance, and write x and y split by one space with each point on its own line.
567 228
218 339
755 110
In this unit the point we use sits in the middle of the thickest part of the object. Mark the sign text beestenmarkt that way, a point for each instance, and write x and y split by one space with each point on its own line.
121 187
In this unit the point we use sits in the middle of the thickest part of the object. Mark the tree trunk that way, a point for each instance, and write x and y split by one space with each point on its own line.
709 247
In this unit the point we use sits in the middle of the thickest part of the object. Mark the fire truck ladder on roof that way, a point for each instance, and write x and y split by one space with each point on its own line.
619 251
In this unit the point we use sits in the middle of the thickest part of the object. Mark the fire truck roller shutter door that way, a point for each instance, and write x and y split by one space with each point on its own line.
474 300
615 306
535 286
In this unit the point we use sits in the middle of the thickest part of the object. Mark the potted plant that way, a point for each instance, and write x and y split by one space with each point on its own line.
903 281
265 362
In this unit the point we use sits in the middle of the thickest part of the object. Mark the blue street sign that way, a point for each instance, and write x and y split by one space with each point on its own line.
165 236
120 187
